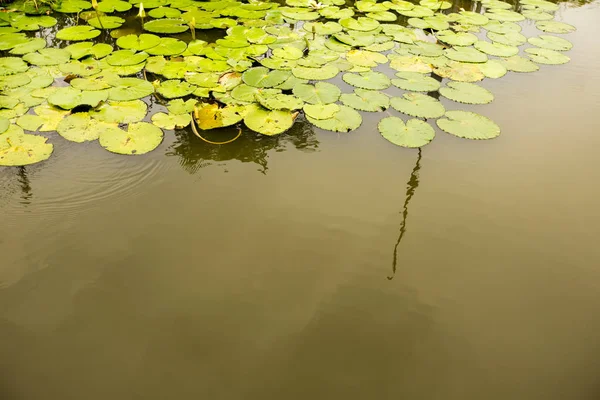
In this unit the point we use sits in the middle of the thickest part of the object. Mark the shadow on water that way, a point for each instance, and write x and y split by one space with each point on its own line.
411 187
194 153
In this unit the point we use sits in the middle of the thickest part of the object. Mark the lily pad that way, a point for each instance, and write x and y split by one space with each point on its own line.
415 82
468 93
268 122
412 134
30 122
8 102
367 80
410 64
320 111
50 115
364 58
509 39
519 64
550 42
211 116
30 46
138 43
167 47
140 138
126 57
366 100
278 101
502 27
344 120
319 93
496 49
178 106
555 27
88 68
106 22
68 98
109 6
174 88
322 73
466 55
461 72
14 81
171 121
125 89
418 105
262 77
18 148
49 56
76 33
167 25
468 125
79 128
122 112
457 38
504 15
545 56
493 69
360 24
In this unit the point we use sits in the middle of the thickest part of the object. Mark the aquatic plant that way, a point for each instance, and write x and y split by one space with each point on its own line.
272 63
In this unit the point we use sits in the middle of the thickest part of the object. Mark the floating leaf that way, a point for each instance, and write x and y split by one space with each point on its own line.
502 27
29 122
166 26
109 6
261 77
468 125
322 28
555 27
471 18
98 82
50 115
360 24
493 69
8 101
504 15
81 128
4 125
545 56
344 120
320 111
366 100
319 93
509 39
210 116
457 38
126 57
551 42
13 81
496 49
32 23
18 148
30 46
138 43
48 56
140 138
278 101
425 49
365 58
312 74
519 64
77 68
368 80
106 22
179 106
414 133
466 54
410 64
123 112
415 82
80 32
418 105
175 88
468 93
171 121
167 47
125 89
461 72
69 98
164 12
268 122
537 15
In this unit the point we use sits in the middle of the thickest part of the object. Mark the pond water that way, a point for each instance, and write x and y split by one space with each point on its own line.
317 264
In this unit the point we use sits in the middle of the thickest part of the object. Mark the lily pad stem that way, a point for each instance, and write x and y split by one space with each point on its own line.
195 130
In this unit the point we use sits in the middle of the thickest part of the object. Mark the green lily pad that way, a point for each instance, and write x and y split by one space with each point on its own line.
50 115
76 33
211 116
278 101
33 23
504 15
167 25
412 134
288 53
14 81
418 105
496 49
312 74
268 122
164 12
167 47
30 122
471 18
299 14
320 111
106 22
417 12
126 57
364 58
140 138
555 27
502 27
178 106
68 98
81 128
122 112
8 102
537 15
344 120
493 69
457 38
551 42
244 93
355 40
18 148
382 16
519 64
31 46
278 63
545 56
322 28
335 12
466 54
425 49
415 82
460 72
367 80
10 40
366 100
468 125
109 6
88 68
262 77
171 121
174 88
319 93
48 56
72 6
509 39
125 89
4 125
410 64
138 43
359 24
468 93
541 4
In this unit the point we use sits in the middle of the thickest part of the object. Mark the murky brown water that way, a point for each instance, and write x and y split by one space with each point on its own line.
260 270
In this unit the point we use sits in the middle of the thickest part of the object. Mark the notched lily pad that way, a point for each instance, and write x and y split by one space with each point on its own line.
468 93
140 138
18 148
366 100
269 122
345 119
171 121
468 125
418 105
414 133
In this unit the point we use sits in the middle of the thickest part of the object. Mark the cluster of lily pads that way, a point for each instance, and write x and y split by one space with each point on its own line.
272 64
